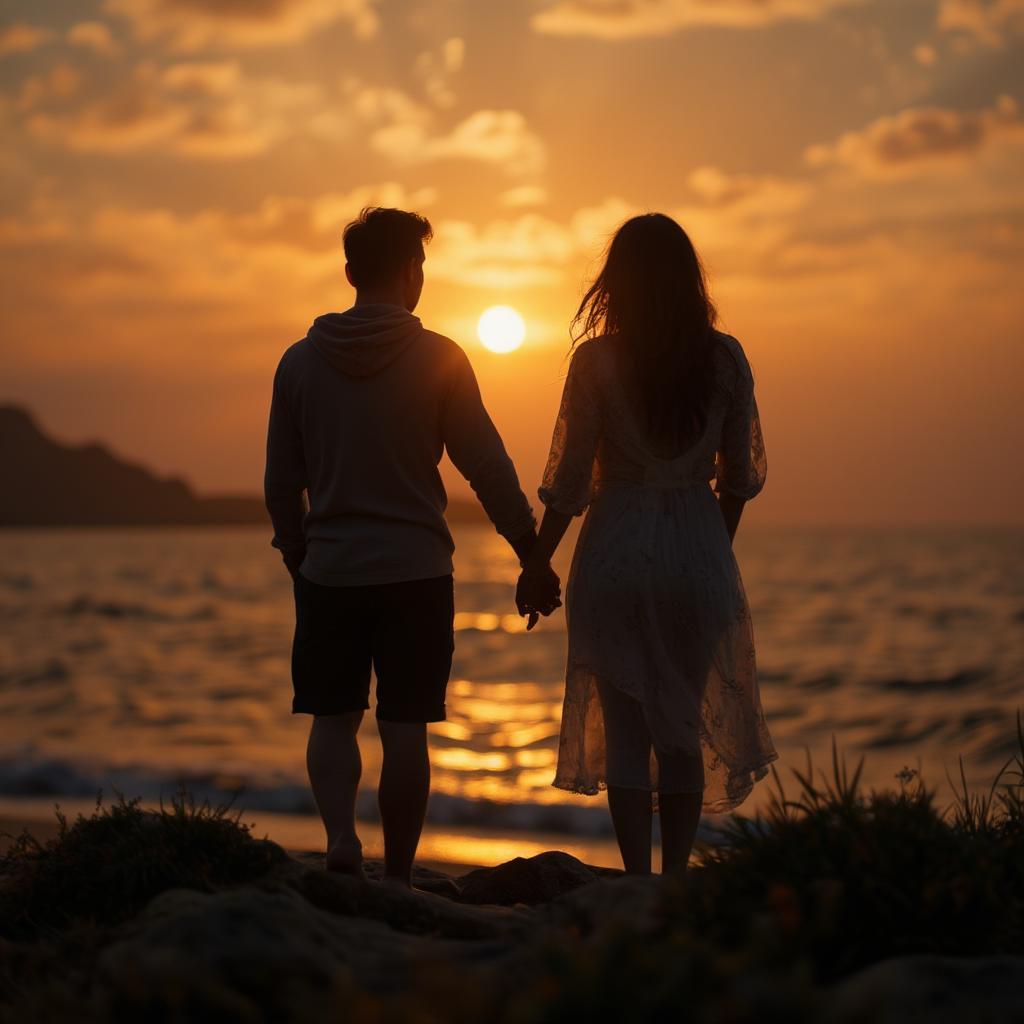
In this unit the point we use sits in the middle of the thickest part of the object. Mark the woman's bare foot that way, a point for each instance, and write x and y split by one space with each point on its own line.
346 857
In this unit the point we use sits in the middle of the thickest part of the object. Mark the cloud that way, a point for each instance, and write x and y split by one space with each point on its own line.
59 83
436 69
204 110
529 250
524 195
864 237
117 124
22 38
208 78
753 194
920 137
499 137
94 36
989 21
183 276
625 19
315 225
386 105
209 109
191 25
740 221
739 218
593 226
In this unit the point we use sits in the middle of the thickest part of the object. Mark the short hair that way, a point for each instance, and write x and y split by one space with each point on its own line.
380 241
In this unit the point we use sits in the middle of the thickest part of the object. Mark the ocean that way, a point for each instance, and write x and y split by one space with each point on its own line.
134 660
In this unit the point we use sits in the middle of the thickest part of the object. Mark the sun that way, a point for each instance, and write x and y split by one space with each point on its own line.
501 329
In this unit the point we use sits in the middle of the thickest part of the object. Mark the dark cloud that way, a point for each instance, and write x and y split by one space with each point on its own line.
192 25
919 136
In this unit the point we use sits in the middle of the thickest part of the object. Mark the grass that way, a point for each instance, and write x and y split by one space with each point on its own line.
827 881
840 878
103 869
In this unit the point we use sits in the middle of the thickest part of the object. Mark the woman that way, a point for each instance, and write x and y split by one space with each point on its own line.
661 688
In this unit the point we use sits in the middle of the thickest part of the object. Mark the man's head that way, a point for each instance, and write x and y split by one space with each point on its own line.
384 253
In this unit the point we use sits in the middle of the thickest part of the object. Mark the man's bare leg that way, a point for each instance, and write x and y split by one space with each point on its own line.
334 765
402 796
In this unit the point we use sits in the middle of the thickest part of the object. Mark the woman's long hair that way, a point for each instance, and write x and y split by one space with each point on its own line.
652 296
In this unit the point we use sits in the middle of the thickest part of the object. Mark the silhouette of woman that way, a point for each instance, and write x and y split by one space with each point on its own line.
661 688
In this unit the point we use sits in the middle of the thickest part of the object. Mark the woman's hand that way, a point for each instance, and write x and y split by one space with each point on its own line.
538 592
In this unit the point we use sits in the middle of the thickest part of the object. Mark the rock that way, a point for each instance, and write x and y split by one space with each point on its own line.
244 955
251 954
425 879
932 989
411 912
530 880
609 903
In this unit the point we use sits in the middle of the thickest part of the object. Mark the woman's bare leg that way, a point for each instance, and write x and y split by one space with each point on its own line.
632 816
680 816
627 766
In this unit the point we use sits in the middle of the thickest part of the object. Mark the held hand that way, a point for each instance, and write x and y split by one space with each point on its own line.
537 592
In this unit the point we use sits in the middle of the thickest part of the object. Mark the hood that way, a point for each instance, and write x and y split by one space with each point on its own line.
363 340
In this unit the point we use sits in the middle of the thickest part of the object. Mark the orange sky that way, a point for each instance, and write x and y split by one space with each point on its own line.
176 174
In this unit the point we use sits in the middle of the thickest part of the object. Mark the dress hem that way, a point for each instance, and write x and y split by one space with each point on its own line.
723 805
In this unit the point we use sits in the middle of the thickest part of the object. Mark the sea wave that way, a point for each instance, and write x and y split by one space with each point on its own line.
86 604
35 775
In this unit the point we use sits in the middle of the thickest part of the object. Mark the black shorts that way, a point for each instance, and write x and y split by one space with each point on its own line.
404 630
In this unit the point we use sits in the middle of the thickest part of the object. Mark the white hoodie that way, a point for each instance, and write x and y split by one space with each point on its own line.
363 409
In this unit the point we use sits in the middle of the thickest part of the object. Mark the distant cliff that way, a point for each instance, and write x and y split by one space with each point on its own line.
45 483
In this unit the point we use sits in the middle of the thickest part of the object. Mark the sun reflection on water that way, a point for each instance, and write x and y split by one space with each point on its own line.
464 759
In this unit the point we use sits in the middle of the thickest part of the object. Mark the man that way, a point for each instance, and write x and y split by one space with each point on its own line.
362 410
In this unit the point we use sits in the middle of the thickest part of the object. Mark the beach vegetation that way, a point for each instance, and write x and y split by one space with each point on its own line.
767 925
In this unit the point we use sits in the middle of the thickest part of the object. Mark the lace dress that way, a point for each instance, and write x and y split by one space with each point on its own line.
655 605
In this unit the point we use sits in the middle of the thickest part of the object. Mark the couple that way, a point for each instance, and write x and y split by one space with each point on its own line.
661 691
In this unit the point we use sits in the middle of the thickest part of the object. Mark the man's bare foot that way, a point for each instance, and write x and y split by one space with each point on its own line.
430 893
346 857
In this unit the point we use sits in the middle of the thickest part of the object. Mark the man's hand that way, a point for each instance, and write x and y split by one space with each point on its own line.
538 592
292 561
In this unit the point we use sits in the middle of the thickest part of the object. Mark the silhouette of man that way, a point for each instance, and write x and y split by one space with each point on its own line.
363 408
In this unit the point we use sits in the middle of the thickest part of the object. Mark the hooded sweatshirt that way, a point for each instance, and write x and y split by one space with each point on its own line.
362 410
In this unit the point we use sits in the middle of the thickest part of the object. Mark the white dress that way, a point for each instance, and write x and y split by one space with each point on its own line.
655 605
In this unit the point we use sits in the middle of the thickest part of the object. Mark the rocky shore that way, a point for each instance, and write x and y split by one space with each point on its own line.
846 910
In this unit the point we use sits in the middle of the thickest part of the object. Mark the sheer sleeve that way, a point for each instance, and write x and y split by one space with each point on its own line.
570 477
741 465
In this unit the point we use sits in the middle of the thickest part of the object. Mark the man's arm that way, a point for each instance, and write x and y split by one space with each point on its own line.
477 452
284 481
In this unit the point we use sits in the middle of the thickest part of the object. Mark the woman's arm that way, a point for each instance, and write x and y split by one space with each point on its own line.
539 589
731 508
552 530
568 483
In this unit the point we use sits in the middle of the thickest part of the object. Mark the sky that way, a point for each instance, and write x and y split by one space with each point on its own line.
176 175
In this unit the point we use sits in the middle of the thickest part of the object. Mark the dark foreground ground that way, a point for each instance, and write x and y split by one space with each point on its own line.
836 907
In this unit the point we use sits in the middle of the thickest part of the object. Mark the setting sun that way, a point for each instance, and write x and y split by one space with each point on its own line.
501 329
